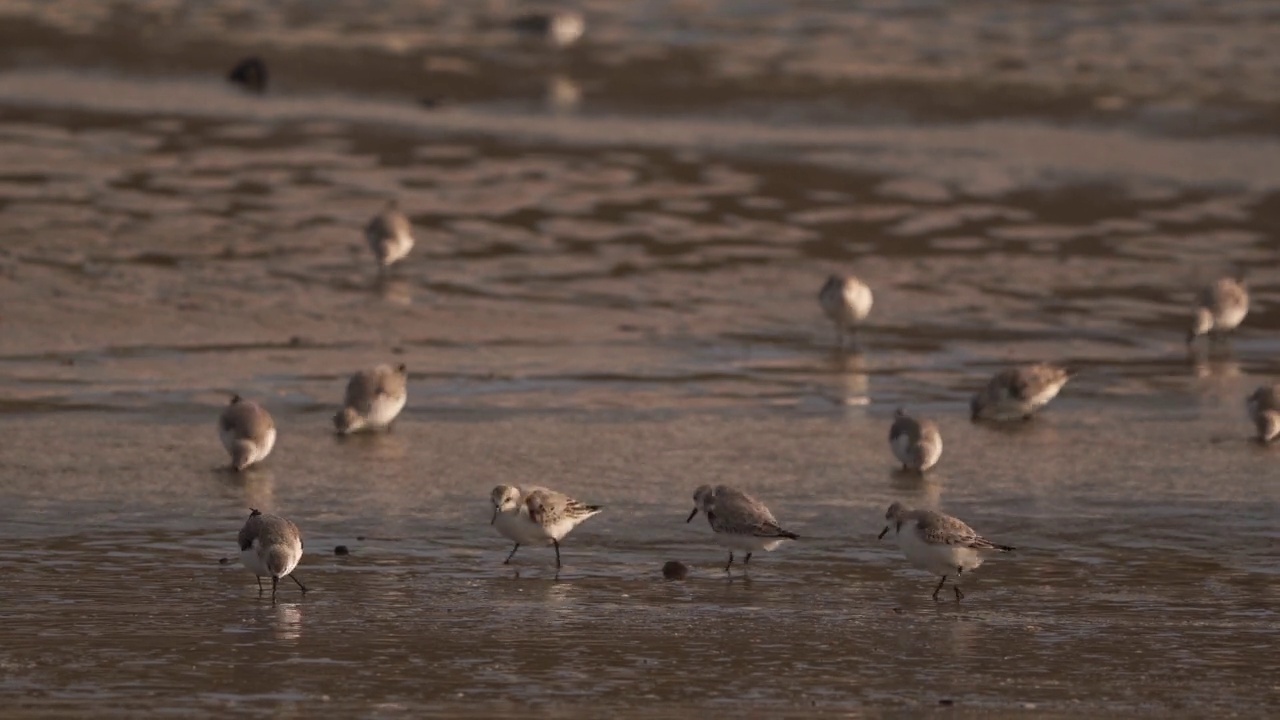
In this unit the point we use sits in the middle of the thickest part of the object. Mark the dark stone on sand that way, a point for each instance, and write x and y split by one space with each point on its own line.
223 561
341 550
946 701
361 538
250 73
675 570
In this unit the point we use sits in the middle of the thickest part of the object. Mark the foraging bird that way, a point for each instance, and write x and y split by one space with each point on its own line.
738 521
247 432
560 29
846 301
390 236
1018 392
373 399
916 443
270 546
1264 410
938 543
1220 308
536 516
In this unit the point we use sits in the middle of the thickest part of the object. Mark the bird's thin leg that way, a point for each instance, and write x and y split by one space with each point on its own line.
259 579
274 582
747 560
557 544
295 579
939 588
513 554
959 595
726 567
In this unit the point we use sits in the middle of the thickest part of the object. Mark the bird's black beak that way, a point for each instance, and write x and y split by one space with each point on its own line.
695 512
882 533
495 516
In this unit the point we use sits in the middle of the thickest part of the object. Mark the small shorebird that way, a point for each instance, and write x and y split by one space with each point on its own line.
916 443
846 301
1018 392
390 236
560 29
937 542
1220 308
270 546
373 399
247 432
1264 411
536 516
739 521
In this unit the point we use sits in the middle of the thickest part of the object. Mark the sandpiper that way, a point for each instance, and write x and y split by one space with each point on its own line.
1220 308
1018 392
247 432
559 29
937 542
739 521
270 546
1264 411
536 516
373 399
390 236
916 443
846 301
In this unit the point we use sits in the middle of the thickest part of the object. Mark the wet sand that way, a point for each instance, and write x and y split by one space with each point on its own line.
617 298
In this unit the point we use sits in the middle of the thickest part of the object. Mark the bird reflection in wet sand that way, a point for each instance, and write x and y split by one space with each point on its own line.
536 516
288 622
563 94
1264 410
1220 308
939 543
925 489
846 301
854 384
270 546
738 521
393 290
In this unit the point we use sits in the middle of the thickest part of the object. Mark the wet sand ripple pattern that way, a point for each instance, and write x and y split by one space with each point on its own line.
620 297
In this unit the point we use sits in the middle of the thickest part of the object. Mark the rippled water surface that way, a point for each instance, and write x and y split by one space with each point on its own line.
614 294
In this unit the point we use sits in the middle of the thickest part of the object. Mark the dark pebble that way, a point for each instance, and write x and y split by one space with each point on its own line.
675 570
946 701
341 550
223 561
250 73
361 538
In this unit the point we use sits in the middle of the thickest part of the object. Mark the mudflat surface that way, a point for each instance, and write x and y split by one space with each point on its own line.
613 294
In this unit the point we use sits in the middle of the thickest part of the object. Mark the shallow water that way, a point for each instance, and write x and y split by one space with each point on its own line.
613 293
